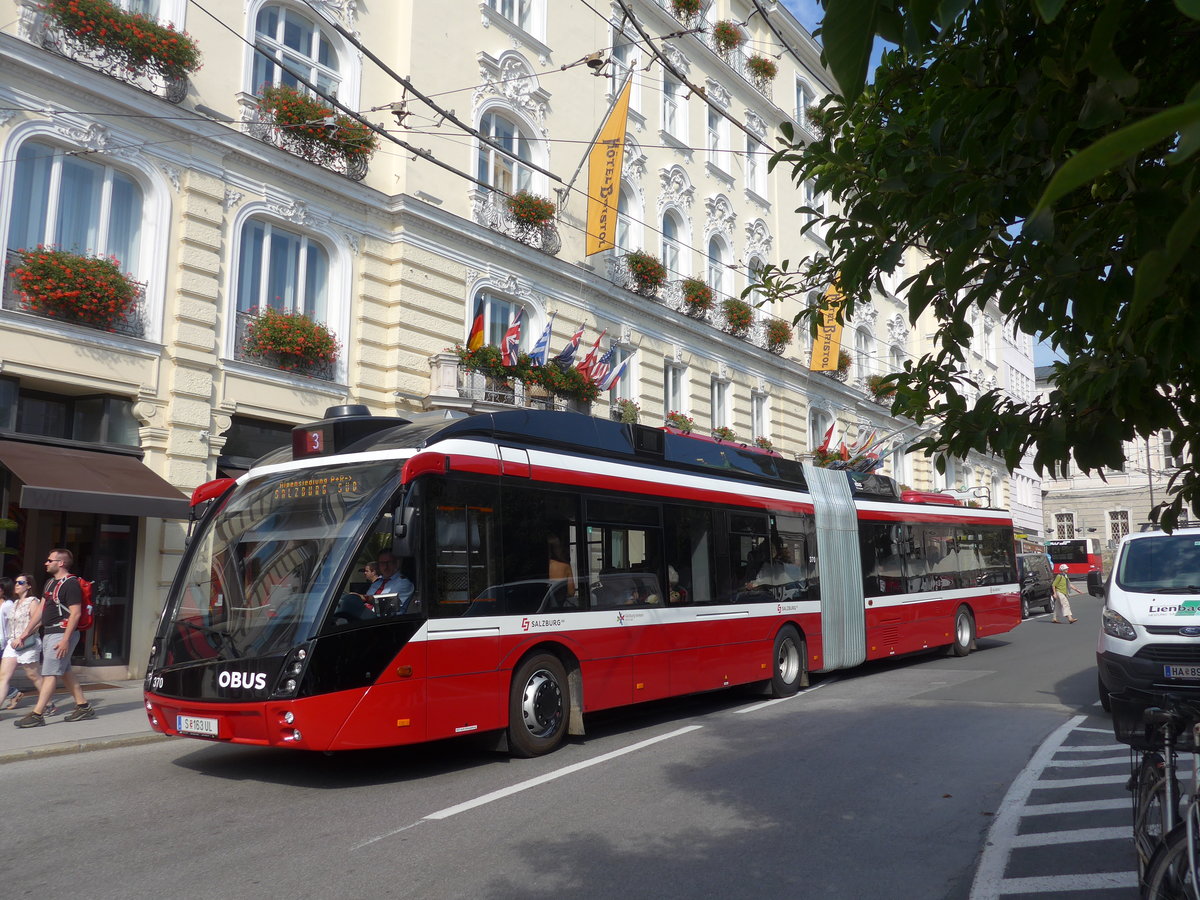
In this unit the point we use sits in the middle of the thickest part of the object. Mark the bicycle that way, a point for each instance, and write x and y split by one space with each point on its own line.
1158 726
1172 871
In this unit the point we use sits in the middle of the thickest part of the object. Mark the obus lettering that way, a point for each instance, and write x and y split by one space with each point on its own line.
250 680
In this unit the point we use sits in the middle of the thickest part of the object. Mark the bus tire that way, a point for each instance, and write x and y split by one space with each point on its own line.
787 669
537 706
964 632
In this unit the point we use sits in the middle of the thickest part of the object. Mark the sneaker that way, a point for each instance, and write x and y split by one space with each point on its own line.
11 701
33 720
51 709
81 712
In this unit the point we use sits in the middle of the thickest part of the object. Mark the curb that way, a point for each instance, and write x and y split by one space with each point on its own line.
81 746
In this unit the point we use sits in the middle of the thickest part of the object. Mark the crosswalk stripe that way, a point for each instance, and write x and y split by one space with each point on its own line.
1050 809
1077 836
1079 763
1051 783
1060 884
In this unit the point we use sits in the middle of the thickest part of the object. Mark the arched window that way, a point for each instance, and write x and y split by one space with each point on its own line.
289 38
819 421
897 359
282 269
498 314
82 205
718 255
497 169
756 298
629 232
863 341
804 99
672 251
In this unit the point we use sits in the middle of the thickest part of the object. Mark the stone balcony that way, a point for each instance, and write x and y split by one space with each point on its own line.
453 386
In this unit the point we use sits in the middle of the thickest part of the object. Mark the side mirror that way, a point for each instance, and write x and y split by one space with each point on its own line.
1095 584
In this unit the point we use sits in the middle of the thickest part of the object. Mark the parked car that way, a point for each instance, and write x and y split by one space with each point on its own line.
1150 624
1036 580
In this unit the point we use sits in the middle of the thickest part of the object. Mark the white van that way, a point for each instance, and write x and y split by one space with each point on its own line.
1150 627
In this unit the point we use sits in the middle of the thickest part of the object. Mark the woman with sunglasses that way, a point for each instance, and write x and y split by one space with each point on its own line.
25 608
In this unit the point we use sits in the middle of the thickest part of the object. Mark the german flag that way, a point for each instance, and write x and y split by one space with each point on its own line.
475 338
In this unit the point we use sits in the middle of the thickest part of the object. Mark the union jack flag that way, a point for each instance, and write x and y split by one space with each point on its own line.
568 354
512 339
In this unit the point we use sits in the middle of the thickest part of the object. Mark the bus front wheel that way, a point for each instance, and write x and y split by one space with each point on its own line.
537 706
788 656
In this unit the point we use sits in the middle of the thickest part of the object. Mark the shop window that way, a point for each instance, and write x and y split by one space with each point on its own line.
95 419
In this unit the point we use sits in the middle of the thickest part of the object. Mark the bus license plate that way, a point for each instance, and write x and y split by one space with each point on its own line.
1182 671
198 725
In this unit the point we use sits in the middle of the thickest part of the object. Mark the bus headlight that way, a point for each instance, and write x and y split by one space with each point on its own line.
292 674
1116 625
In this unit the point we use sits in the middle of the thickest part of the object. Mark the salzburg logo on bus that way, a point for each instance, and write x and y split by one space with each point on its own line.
527 623
249 680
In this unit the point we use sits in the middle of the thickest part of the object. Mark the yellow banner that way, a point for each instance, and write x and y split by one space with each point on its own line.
604 177
828 342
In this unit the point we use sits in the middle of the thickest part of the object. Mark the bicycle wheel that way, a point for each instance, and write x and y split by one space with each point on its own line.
1169 876
1151 815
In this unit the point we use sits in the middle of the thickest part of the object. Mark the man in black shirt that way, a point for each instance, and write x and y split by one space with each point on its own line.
62 602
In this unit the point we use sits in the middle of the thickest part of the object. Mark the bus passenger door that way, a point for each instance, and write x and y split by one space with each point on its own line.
465 693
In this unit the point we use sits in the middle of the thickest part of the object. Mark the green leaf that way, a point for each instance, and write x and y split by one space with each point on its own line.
1109 152
1048 9
848 33
1190 8
1158 265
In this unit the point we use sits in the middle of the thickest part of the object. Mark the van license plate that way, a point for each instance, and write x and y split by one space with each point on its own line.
208 727
1182 671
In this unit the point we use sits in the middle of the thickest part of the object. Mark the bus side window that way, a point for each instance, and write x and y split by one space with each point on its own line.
689 542
462 544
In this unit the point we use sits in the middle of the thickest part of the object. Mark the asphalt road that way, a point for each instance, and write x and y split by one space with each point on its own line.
881 782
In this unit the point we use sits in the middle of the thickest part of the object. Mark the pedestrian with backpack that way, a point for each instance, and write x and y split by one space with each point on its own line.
62 607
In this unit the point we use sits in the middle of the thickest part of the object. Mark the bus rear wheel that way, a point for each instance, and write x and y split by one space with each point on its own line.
964 632
537 706
788 669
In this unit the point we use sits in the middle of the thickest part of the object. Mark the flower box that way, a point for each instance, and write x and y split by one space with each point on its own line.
879 390
306 127
626 411
724 433
762 68
561 381
697 297
77 289
529 209
738 316
680 422
134 40
727 36
647 272
686 9
289 341
779 335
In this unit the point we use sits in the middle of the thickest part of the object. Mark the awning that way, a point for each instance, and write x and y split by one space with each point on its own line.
85 481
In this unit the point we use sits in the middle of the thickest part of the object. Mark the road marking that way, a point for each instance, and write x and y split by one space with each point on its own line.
1077 836
1074 806
1061 884
531 783
1122 760
804 693
1050 784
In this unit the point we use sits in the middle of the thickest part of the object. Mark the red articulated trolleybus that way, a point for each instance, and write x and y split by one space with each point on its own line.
1081 555
549 564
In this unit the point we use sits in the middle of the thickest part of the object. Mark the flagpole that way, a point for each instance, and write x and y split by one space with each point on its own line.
565 192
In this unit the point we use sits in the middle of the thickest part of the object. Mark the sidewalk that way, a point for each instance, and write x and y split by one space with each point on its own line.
120 722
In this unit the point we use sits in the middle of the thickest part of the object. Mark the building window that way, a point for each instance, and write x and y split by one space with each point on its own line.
675 388
718 140
626 62
1169 460
295 41
1118 524
80 205
863 340
1064 526
760 423
91 419
503 172
717 259
674 108
498 314
672 251
519 12
756 299
282 269
756 169
804 99
622 388
629 232
819 423
720 403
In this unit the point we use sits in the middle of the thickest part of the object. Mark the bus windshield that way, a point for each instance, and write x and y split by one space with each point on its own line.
257 577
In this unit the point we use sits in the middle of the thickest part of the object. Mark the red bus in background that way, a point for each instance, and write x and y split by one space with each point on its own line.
549 565
1082 555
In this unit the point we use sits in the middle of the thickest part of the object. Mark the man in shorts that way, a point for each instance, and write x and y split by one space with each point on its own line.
62 603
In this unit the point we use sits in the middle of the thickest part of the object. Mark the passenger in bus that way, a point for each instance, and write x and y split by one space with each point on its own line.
779 575
559 563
